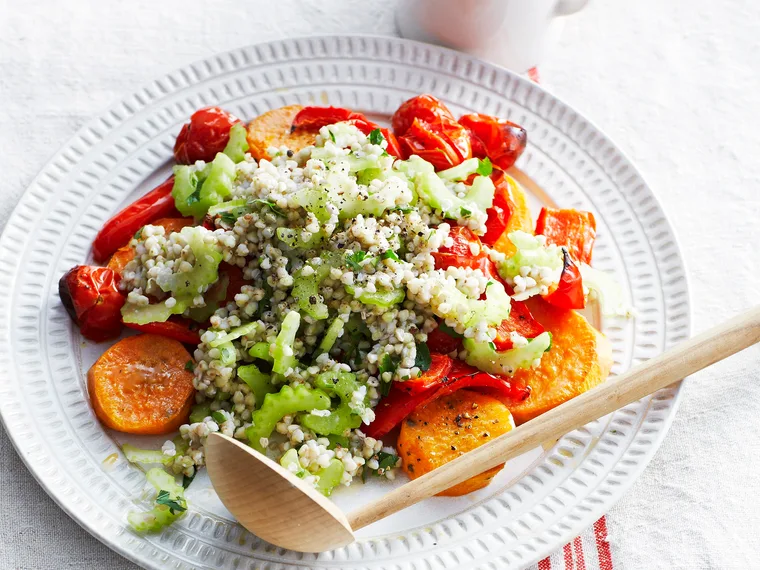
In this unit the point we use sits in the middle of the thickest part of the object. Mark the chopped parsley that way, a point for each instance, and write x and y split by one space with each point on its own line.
389 254
218 417
332 135
422 360
271 205
229 218
376 137
190 366
386 460
194 197
354 259
175 506
485 168
402 209
443 327
187 480
466 213
389 363
138 233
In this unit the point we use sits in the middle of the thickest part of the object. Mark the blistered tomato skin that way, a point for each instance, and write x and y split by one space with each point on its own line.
206 134
502 141
92 298
426 108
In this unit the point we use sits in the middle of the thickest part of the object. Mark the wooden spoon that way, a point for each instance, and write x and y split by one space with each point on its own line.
280 508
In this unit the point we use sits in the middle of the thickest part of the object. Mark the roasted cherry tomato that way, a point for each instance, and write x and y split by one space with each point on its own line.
235 280
404 397
500 210
92 298
426 108
443 145
569 291
520 321
116 233
502 141
571 228
207 133
177 328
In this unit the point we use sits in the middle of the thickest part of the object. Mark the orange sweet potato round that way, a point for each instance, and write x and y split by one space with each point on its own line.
579 359
140 385
448 427
273 129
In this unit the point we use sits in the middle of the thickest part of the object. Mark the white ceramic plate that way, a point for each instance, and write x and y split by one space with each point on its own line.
539 502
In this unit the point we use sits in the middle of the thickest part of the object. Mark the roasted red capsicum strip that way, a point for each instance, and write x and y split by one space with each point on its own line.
572 228
500 210
569 291
92 298
116 233
442 342
177 328
404 397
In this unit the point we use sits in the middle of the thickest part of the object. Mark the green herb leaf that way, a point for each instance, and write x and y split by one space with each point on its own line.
229 218
332 135
389 254
354 258
187 480
386 460
218 417
389 363
194 197
190 366
138 234
465 212
485 168
385 387
422 360
403 209
492 345
443 327
175 506
376 137
271 205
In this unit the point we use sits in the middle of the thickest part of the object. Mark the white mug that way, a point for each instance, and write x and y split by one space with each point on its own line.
512 33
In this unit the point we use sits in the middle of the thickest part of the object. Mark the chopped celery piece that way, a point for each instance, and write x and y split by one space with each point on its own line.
199 412
229 206
288 401
531 252
293 238
338 422
606 290
237 146
330 477
314 200
205 271
155 313
290 461
261 351
146 456
170 503
259 382
461 171
338 441
283 352
481 193
214 298
227 354
379 298
327 478
494 309
180 444
341 384
306 291
333 332
195 191
414 166
385 198
234 334
483 355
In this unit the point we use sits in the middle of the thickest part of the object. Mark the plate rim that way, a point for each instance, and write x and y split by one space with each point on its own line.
138 94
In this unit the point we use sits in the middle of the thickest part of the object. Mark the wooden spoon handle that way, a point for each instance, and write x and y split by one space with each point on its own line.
670 366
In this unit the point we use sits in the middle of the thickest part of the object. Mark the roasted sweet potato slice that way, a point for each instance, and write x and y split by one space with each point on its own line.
448 427
520 217
142 385
273 129
579 359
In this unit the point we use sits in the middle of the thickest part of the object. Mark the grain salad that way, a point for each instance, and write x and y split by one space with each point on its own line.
310 284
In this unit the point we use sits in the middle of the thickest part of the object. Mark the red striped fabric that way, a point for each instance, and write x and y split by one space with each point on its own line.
589 551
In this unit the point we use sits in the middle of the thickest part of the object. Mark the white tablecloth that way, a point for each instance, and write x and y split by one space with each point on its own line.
676 84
